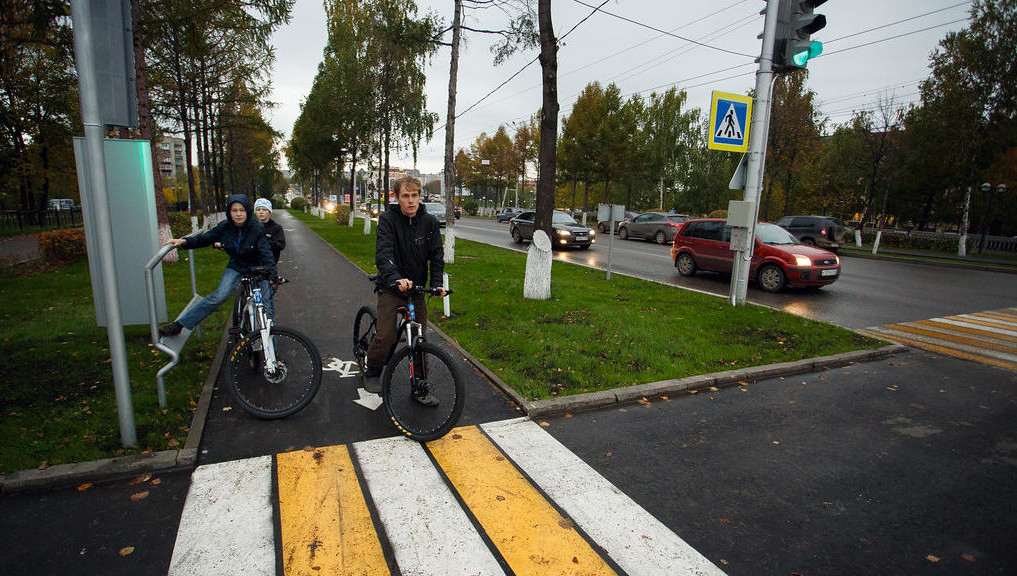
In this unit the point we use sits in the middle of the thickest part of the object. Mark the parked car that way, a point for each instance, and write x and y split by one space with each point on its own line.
567 232
657 226
61 204
508 213
778 259
823 231
604 227
438 210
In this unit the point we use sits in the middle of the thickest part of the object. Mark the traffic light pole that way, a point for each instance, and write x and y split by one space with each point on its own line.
757 150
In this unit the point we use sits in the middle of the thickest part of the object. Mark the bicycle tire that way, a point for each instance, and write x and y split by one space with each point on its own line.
274 396
444 381
364 328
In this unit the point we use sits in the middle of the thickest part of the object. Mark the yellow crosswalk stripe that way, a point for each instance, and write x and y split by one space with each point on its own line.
897 337
981 322
324 521
529 533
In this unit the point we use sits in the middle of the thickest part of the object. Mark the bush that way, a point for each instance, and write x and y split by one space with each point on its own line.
180 224
299 203
342 214
470 207
717 214
63 246
277 202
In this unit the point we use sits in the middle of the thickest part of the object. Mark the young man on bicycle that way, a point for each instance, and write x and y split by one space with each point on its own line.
243 238
407 247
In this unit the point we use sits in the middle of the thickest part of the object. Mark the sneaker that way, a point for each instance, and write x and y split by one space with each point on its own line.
171 329
424 397
372 380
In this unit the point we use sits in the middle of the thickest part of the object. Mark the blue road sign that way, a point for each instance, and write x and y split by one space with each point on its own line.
730 115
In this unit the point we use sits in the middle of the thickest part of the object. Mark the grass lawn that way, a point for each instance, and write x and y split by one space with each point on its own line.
57 402
596 334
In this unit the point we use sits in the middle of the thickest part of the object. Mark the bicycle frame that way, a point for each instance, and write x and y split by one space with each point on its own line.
258 319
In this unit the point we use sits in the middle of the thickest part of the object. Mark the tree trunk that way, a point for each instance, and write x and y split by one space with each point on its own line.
450 136
537 284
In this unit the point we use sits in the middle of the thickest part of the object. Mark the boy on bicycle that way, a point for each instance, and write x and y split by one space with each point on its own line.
408 245
273 231
243 238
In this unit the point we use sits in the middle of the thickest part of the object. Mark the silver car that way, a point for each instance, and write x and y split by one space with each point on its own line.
437 209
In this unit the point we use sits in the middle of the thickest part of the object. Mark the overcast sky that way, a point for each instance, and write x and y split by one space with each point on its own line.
651 49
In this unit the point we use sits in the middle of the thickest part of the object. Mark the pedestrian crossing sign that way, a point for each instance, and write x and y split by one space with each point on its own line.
730 115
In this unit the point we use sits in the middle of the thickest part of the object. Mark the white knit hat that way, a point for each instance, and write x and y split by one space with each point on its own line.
263 203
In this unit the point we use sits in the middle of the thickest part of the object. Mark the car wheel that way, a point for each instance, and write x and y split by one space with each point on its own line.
623 233
685 264
516 236
771 278
660 237
808 241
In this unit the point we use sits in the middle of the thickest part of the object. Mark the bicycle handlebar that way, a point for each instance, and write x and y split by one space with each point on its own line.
413 291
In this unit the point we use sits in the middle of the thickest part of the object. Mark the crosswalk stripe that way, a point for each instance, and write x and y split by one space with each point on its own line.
430 533
974 320
1008 320
919 342
530 534
504 498
967 329
973 341
981 326
325 525
637 542
226 526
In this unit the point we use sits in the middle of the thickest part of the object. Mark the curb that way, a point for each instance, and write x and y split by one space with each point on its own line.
629 394
108 469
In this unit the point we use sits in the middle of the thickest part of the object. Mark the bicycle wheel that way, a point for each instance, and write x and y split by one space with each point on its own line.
436 372
289 389
364 327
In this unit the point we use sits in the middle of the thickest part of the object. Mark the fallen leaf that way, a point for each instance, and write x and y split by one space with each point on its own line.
932 558
227 408
457 436
714 389
544 424
608 453
141 479
665 398
126 550
499 498
743 383
693 391
43 465
84 487
139 496
969 557
575 560
723 520
157 481
173 443
568 415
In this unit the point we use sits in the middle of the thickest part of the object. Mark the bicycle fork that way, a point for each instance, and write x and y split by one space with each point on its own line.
264 325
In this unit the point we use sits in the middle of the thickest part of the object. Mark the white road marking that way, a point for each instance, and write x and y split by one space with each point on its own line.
226 527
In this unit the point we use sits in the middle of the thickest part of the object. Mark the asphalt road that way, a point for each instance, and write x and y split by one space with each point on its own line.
868 293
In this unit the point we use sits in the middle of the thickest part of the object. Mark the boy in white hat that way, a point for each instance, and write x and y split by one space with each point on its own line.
273 231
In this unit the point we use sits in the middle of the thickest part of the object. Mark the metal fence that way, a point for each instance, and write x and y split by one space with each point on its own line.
27 221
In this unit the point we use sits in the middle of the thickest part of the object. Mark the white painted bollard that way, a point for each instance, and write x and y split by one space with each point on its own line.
537 284
875 245
858 238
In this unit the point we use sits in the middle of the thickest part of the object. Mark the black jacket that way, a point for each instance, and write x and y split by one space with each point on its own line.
276 237
246 245
407 247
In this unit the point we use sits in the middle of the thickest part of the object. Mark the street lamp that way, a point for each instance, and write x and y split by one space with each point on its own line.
988 189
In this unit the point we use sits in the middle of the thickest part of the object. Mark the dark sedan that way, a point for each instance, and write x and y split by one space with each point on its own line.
657 226
508 213
567 232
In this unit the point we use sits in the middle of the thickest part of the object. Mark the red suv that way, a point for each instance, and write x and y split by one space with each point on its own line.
778 260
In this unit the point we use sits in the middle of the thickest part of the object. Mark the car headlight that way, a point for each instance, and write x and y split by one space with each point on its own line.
592 233
564 233
803 260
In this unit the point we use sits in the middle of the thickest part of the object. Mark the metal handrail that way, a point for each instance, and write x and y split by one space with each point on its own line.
153 316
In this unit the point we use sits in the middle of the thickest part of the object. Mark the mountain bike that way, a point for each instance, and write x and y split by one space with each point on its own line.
272 372
415 369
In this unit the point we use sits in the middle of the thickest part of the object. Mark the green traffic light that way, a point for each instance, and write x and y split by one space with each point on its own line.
815 49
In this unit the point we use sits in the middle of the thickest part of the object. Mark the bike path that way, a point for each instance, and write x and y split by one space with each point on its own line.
321 301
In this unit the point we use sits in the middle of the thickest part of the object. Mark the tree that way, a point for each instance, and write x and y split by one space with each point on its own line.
793 141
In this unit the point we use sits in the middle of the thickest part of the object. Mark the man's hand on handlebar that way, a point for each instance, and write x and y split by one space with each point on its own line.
278 280
404 284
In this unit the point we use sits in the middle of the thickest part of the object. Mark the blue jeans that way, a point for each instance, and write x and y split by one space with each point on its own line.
227 286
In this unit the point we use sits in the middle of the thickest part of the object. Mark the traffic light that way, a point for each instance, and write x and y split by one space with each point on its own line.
793 45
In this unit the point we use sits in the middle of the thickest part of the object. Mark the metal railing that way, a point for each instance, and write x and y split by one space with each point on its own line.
171 345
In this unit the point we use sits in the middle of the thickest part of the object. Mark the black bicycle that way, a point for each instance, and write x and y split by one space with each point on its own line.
416 370
272 372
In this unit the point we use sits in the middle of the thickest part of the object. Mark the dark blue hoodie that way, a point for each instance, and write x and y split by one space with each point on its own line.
246 245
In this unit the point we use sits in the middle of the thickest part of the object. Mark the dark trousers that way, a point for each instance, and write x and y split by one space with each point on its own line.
388 302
